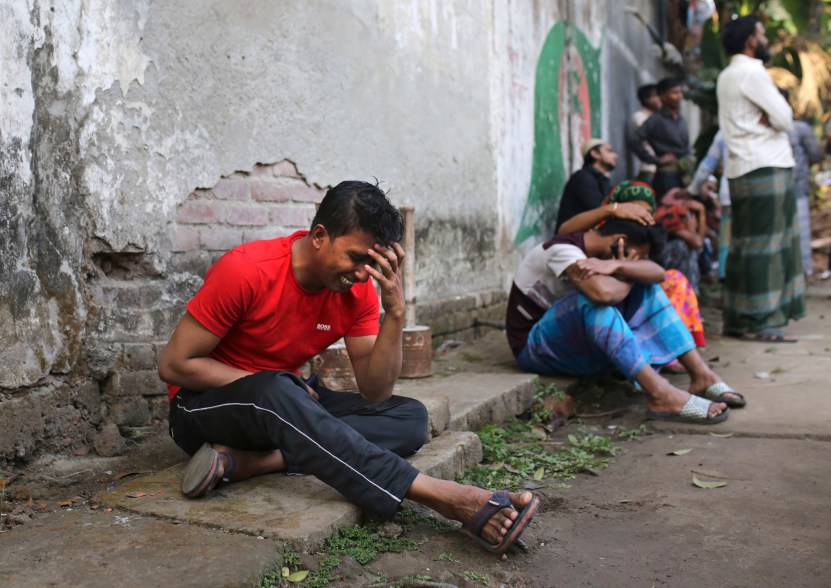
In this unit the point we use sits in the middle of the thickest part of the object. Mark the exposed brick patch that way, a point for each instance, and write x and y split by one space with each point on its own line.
139 356
263 234
246 214
182 238
134 384
232 189
293 216
262 170
277 190
215 239
199 213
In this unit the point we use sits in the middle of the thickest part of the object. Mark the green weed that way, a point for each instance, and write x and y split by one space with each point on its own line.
512 455
477 577
631 434
447 557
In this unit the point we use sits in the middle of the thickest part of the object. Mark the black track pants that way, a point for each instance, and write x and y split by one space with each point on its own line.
348 443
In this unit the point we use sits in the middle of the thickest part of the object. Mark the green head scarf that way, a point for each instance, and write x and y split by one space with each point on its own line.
630 191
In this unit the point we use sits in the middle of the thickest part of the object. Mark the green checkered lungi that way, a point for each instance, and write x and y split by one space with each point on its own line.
764 284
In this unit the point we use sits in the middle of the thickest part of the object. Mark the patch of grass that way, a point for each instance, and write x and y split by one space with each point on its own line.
631 434
275 578
360 542
539 414
512 456
325 572
447 557
477 577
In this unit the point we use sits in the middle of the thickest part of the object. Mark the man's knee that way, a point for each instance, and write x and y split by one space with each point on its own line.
412 430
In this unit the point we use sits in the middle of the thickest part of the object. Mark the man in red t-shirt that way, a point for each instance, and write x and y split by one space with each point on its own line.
239 408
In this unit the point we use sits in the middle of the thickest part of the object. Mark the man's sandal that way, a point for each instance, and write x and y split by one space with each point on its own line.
722 392
696 411
202 474
497 502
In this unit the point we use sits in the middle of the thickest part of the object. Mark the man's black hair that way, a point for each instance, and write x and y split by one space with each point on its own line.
737 32
589 158
354 205
637 234
645 91
667 84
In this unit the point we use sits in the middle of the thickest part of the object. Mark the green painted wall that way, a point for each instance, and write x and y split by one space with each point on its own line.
568 65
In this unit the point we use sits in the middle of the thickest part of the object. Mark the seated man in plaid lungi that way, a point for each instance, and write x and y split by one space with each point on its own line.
590 303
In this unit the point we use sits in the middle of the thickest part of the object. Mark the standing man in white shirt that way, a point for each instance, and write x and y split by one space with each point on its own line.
764 284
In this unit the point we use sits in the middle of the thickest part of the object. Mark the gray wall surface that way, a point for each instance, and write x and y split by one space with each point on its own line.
140 139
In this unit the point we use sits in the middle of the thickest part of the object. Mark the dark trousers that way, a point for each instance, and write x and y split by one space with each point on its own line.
663 182
348 443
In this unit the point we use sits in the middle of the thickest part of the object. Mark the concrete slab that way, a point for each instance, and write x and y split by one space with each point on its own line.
476 399
447 455
786 385
300 509
438 408
89 548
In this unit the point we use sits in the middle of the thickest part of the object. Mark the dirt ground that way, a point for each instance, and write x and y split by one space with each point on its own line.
640 522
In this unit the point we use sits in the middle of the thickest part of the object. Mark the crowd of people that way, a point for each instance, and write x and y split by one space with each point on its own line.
613 291
616 289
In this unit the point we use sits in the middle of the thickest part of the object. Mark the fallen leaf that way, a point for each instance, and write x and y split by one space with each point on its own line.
539 473
65 503
298 576
679 452
714 359
285 572
511 469
722 435
30 503
707 484
108 510
135 494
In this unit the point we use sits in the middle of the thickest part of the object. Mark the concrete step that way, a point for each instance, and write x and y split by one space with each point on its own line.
300 509
474 399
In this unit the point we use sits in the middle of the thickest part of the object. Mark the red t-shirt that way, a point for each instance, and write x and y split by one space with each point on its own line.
266 320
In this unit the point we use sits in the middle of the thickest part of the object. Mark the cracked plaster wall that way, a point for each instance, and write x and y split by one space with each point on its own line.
114 113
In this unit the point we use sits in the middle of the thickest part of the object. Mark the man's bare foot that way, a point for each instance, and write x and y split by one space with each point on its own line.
663 397
460 503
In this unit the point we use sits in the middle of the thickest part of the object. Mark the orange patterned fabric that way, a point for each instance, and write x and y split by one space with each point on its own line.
682 296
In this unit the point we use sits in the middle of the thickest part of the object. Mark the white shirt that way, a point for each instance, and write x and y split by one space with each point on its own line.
540 274
745 92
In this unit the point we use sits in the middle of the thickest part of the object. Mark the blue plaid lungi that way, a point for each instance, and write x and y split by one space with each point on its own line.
582 338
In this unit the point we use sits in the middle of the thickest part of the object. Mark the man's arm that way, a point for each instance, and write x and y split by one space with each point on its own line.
609 281
376 360
759 89
641 136
186 360
623 210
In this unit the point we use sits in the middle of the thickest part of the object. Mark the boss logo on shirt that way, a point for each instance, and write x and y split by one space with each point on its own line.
323 327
